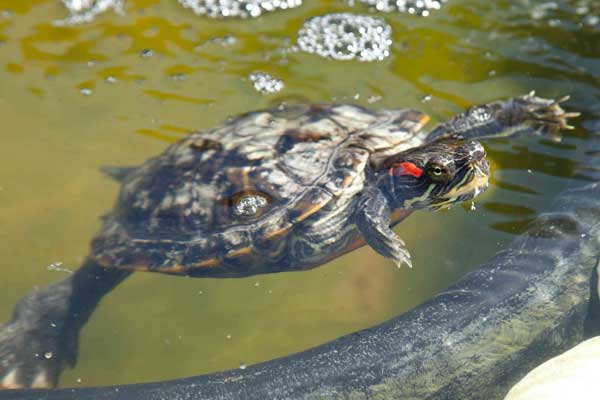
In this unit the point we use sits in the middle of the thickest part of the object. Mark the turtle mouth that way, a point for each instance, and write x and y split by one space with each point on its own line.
474 182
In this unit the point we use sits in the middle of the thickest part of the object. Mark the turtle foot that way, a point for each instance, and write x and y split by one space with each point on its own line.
34 345
545 116
508 118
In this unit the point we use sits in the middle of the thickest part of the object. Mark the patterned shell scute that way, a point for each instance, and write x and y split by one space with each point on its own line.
221 194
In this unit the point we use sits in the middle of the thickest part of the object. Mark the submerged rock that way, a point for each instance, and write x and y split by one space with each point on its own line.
237 8
346 36
571 375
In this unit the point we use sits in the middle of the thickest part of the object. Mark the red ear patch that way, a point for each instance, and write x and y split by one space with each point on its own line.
406 168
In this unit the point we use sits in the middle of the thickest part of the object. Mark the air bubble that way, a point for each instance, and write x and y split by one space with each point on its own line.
541 11
237 8
416 7
265 83
147 53
249 204
58 266
345 36
577 13
177 77
83 11
591 20
48 355
222 41
86 91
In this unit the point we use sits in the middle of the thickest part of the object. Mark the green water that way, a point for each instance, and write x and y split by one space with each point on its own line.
54 138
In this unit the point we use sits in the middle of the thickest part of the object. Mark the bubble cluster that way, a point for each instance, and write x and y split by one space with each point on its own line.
573 14
83 11
265 83
587 12
249 205
418 7
58 266
543 10
346 36
237 8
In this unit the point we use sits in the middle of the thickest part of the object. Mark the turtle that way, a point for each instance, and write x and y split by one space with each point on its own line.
283 189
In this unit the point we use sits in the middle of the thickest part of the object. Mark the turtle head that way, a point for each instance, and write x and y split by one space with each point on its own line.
437 174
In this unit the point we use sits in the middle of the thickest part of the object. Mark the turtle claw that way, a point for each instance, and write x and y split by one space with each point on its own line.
398 253
508 118
34 347
545 116
23 363
404 260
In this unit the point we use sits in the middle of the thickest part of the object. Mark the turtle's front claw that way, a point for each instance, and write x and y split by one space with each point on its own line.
546 116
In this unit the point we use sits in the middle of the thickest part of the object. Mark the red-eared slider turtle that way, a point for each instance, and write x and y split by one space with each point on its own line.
268 191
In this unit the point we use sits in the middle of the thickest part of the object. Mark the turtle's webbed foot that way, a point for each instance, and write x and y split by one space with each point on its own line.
506 118
395 249
544 116
33 345
372 220
384 241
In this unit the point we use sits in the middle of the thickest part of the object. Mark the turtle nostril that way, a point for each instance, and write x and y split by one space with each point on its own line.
475 150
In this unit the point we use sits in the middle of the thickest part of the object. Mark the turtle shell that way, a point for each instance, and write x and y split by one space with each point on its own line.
228 200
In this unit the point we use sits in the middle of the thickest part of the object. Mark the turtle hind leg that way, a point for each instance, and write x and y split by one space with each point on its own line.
372 219
41 339
507 118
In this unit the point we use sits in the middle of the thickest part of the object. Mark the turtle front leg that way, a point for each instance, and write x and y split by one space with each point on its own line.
505 118
42 337
372 218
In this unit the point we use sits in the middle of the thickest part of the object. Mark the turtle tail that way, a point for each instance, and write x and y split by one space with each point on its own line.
117 173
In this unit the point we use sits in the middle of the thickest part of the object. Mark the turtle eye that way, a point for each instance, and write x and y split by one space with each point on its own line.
438 172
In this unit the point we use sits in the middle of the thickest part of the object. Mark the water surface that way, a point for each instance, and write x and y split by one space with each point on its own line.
121 88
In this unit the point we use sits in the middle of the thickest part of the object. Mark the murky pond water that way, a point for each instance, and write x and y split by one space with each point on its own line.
119 89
